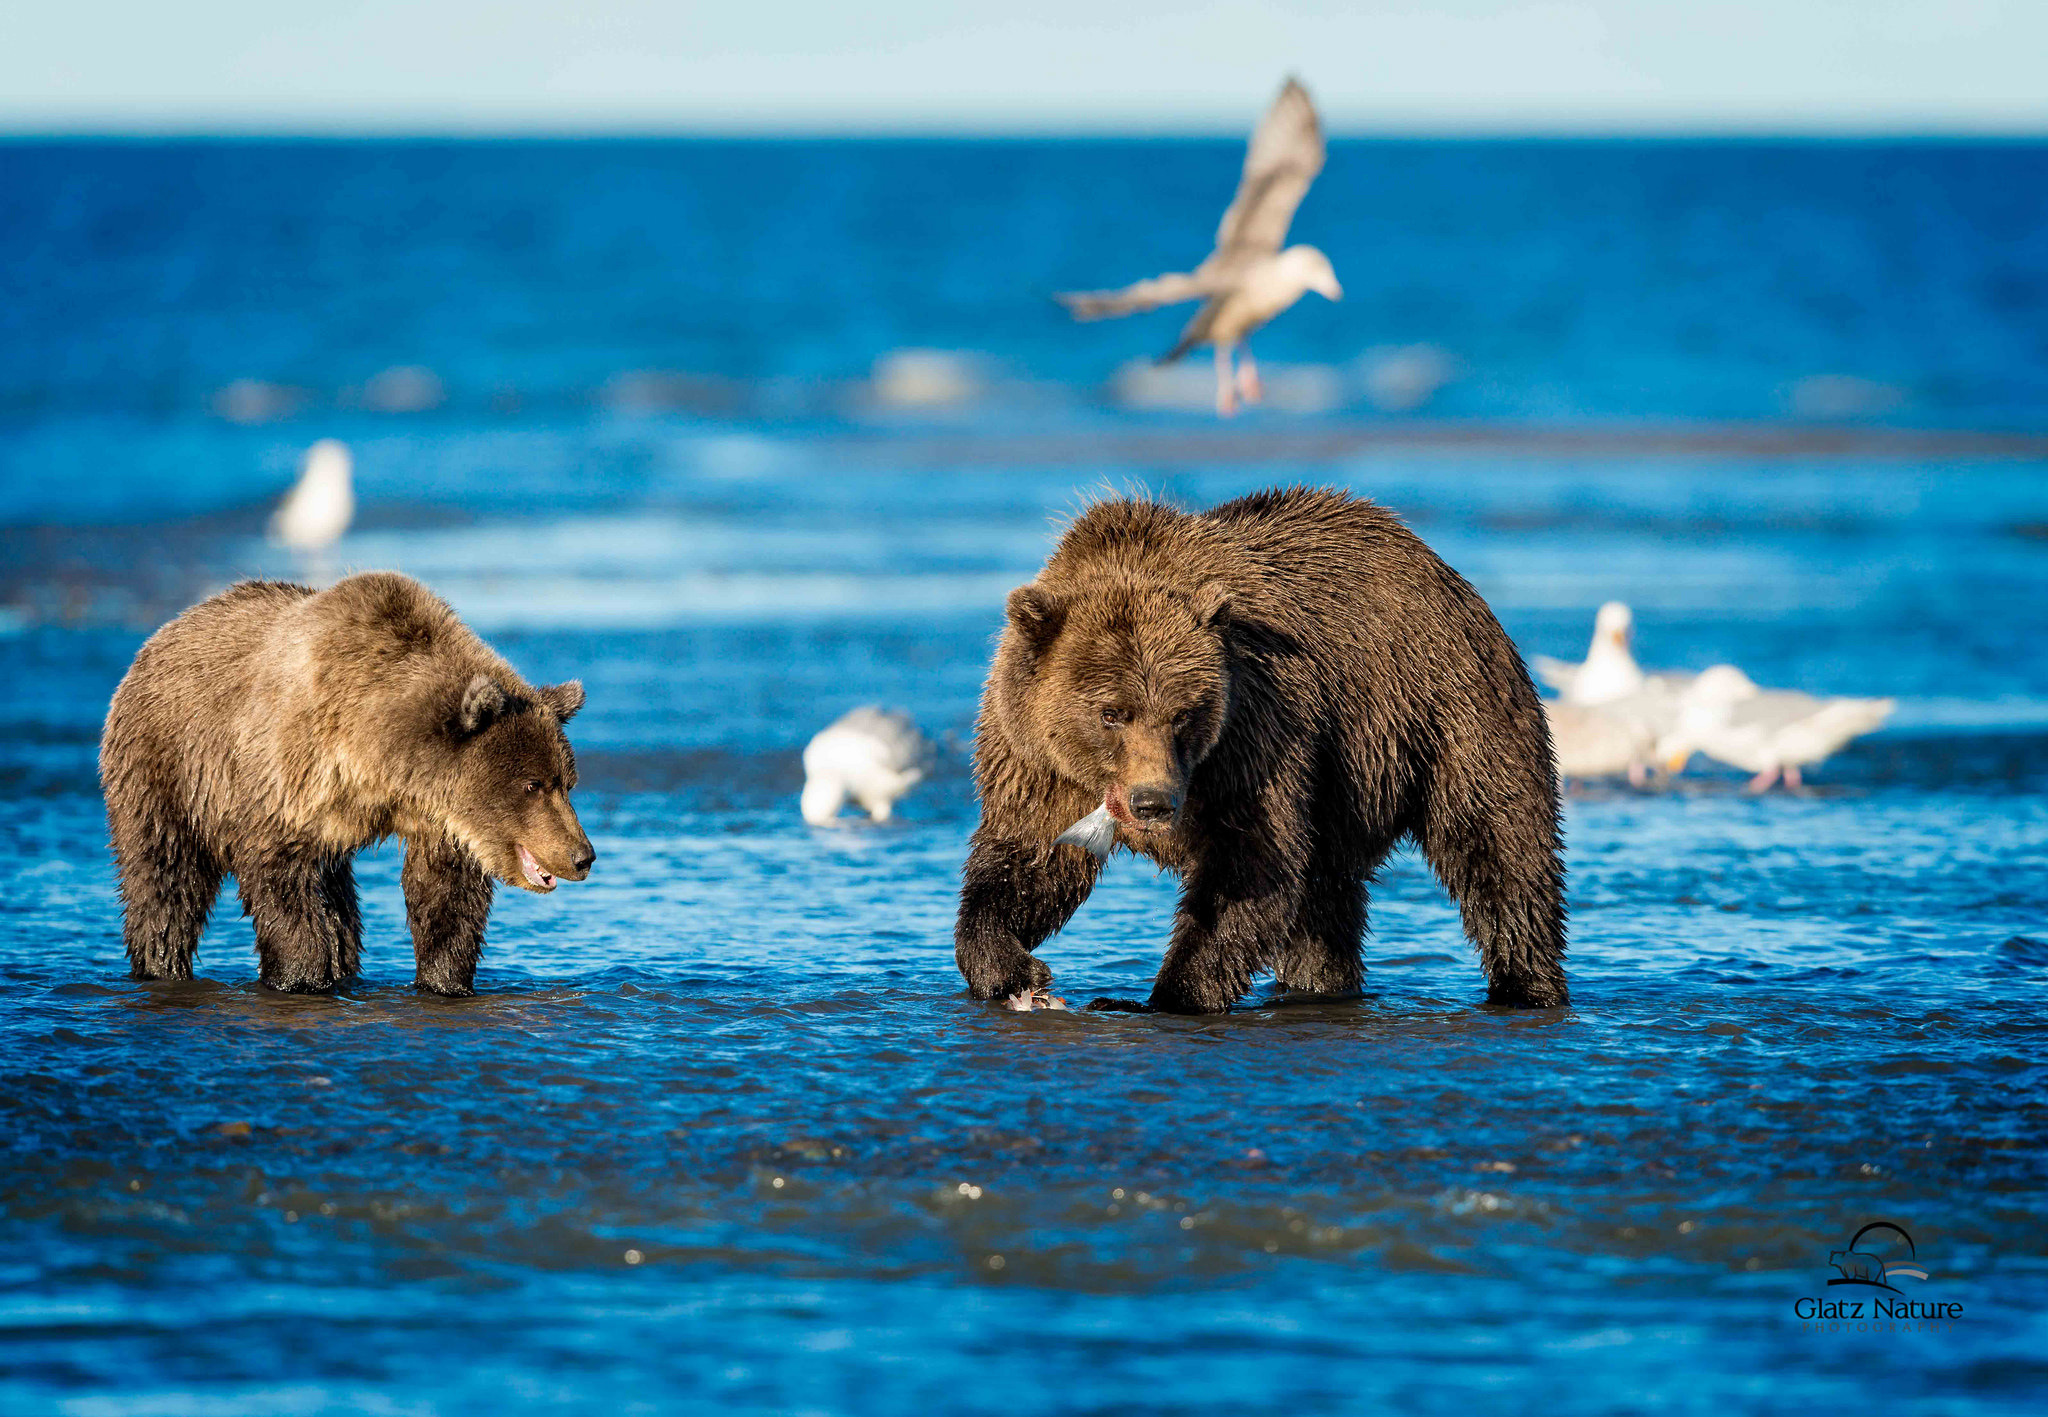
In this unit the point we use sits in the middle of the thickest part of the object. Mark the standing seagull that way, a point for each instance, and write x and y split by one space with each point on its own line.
1609 670
315 513
1247 279
1600 740
1770 732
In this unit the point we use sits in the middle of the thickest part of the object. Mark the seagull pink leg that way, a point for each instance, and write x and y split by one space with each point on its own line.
1248 386
1792 778
1226 396
1763 780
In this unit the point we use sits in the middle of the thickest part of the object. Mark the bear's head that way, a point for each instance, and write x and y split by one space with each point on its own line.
1122 687
510 803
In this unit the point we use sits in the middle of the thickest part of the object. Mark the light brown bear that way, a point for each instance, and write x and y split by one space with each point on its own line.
1265 698
273 731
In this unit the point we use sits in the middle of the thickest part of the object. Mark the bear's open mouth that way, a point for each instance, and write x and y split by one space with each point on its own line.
536 877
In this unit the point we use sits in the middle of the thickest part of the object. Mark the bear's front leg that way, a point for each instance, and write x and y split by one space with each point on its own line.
1237 908
1014 894
447 905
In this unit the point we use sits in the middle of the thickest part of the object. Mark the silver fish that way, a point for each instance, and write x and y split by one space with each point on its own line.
1094 833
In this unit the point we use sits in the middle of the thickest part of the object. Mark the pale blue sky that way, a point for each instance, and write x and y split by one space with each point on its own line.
1031 65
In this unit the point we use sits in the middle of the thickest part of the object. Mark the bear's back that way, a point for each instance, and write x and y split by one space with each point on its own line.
361 631
276 696
1335 572
366 666
196 660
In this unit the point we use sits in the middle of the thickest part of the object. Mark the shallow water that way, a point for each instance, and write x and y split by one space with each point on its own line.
722 1128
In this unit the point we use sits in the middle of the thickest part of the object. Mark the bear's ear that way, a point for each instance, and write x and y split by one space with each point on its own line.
1037 614
564 698
1210 604
483 702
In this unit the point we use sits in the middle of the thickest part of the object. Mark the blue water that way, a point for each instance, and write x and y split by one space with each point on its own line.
722 1129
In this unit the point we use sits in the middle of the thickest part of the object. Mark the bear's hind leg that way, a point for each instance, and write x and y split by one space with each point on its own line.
299 934
447 905
1505 872
169 882
338 885
1321 955
1243 897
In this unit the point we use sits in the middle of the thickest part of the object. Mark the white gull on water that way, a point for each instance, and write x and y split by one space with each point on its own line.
319 508
1601 740
1609 713
1609 670
871 755
1767 732
1247 279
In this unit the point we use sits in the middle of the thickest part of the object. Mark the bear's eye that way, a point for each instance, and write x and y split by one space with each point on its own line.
1180 720
532 786
1114 718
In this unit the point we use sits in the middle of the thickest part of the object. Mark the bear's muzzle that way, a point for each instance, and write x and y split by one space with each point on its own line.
1153 807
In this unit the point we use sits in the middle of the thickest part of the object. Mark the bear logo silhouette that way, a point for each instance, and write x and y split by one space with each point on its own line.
1862 1267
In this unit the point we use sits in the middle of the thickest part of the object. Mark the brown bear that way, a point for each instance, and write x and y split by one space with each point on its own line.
1266 698
273 731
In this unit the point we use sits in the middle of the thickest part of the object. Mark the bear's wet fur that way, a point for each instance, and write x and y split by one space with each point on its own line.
1268 696
273 731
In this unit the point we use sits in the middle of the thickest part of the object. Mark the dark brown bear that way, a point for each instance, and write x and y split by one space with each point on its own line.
273 732
1267 697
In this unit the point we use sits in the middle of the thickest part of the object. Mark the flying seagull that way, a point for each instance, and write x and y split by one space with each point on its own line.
1247 279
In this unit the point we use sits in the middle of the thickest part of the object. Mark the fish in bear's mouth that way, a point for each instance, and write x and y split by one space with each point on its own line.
1096 832
537 877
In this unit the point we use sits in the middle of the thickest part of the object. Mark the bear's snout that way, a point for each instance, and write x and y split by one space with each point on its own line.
576 856
554 847
1154 806
580 859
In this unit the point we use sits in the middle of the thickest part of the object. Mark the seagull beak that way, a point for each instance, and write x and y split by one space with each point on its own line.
1676 762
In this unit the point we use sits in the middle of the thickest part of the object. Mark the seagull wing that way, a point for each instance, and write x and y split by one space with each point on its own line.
1559 674
1775 709
1830 728
1171 289
1285 155
1197 329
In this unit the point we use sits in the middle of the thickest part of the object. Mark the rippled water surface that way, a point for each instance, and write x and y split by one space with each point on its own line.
722 1128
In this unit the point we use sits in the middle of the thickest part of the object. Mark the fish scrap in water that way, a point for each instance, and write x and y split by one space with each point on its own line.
1025 1000
1094 833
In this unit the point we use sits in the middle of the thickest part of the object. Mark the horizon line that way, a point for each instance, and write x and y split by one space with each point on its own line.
441 128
